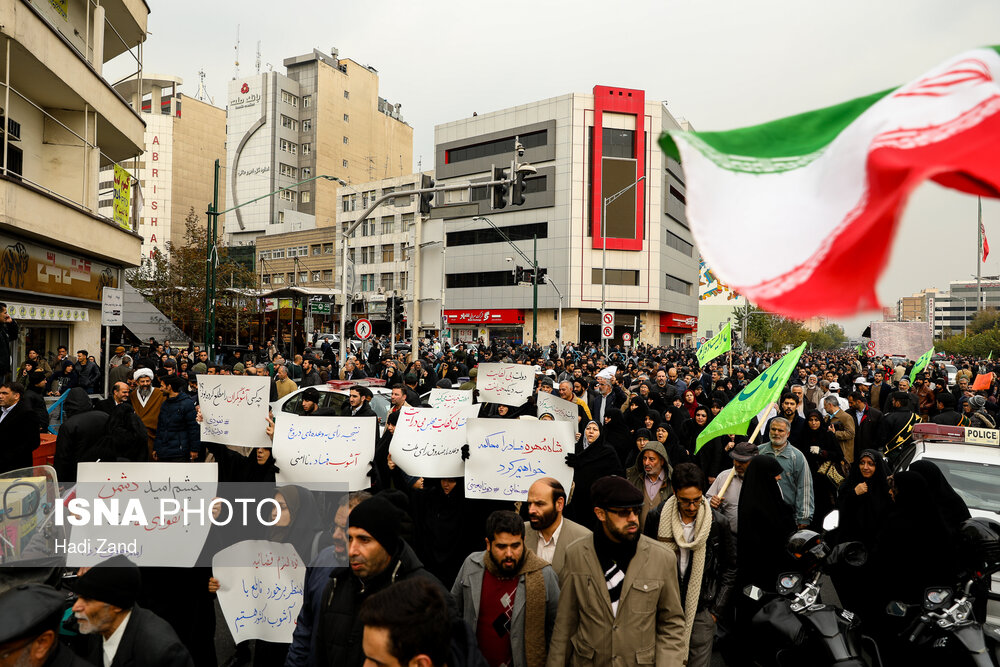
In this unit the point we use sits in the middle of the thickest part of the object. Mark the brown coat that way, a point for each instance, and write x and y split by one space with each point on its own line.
568 534
649 627
845 436
149 414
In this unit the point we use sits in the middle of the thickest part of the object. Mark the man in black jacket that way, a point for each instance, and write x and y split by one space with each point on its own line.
178 436
358 403
378 558
8 334
310 376
868 420
946 411
106 599
18 428
896 433
82 428
708 553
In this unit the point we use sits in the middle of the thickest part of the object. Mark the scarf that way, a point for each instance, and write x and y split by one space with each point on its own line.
671 531
535 647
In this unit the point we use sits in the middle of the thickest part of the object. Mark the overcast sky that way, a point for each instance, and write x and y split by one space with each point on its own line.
720 64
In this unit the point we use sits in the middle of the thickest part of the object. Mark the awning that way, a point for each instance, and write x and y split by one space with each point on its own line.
294 291
144 321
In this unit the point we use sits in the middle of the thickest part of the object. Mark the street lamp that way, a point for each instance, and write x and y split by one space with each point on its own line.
604 250
212 255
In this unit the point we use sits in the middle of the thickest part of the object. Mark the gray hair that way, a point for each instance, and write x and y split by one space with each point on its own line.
788 424
831 400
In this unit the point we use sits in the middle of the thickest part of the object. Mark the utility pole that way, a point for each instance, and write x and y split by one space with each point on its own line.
604 249
211 263
534 296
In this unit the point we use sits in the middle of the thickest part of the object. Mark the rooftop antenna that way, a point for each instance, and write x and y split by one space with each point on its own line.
202 91
236 70
258 56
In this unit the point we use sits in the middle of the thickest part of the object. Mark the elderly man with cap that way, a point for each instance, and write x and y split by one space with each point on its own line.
651 475
378 557
119 357
609 394
619 601
30 616
724 494
147 401
125 633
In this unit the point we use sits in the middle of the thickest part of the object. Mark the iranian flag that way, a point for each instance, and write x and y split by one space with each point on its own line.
798 214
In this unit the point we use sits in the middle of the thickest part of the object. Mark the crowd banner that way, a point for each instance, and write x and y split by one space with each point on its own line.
147 526
560 408
234 409
449 398
310 450
260 600
721 343
983 382
765 389
428 442
506 456
507 384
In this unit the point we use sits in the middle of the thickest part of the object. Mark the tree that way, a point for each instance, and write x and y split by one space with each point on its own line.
175 283
984 320
758 327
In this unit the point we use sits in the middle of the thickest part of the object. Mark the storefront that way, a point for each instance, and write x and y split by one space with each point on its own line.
467 326
677 330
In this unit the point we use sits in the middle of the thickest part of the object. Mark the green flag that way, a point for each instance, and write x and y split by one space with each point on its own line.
766 388
921 364
861 350
720 343
989 356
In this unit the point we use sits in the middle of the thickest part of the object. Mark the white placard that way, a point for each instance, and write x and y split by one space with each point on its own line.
261 597
507 455
163 540
428 442
560 408
234 409
112 306
507 384
449 398
324 450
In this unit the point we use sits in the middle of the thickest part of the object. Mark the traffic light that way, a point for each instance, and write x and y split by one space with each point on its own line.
397 310
542 273
498 193
518 275
426 198
517 191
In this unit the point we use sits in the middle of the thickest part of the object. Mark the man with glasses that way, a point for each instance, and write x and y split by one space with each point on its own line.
599 616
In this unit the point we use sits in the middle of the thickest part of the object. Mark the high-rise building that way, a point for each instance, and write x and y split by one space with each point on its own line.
586 149
63 121
323 118
183 139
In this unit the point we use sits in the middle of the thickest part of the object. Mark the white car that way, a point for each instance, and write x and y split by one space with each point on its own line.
334 394
970 460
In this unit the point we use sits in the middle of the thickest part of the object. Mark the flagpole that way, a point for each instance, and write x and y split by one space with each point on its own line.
979 260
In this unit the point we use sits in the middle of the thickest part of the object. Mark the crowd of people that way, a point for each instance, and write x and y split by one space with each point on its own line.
641 561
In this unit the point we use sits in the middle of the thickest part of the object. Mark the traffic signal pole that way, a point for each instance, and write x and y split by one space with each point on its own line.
534 296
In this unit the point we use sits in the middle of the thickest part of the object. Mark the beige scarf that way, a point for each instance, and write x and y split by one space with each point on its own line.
535 649
671 531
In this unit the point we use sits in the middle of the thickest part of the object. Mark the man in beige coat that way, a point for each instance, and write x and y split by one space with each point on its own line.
547 532
620 600
844 433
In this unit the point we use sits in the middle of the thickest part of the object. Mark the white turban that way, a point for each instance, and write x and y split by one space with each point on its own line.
608 373
142 372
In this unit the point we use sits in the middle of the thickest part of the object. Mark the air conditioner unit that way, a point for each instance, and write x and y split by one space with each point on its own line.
380 290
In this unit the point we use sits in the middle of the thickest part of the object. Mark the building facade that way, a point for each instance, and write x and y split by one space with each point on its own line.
323 118
63 122
183 139
585 147
716 302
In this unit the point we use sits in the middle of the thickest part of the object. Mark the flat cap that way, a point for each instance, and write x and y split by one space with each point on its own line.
29 610
115 581
614 491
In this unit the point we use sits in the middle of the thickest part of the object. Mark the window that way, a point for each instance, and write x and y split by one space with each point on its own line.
677 285
291 278
303 251
264 254
288 98
307 149
289 123
347 95
347 118
327 248
315 276
345 139
406 220
281 217
304 197
287 195
678 195
307 101
388 222
307 125
278 279
618 143
287 170
615 277
265 279
303 276
327 275
316 249
288 146
497 147
306 172
350 254
388 252
679 244
388 191
349 203
490 235
402 281
386 282
480 279
344 163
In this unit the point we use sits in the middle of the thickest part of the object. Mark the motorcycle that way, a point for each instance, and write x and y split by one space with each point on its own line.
946 623
796 625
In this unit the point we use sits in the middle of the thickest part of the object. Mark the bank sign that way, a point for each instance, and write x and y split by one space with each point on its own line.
245 99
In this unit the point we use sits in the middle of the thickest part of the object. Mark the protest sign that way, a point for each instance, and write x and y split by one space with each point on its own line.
449 398
507 384
312 450
983 382
234 409
428 441
260 589
507 456
147 498
561 409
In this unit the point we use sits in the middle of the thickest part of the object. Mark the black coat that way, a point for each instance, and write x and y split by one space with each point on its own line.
18 437
177 430
148 641
8 333
866 434
79 434
594 462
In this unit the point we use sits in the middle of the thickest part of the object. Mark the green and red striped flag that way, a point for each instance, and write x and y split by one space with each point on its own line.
831 184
